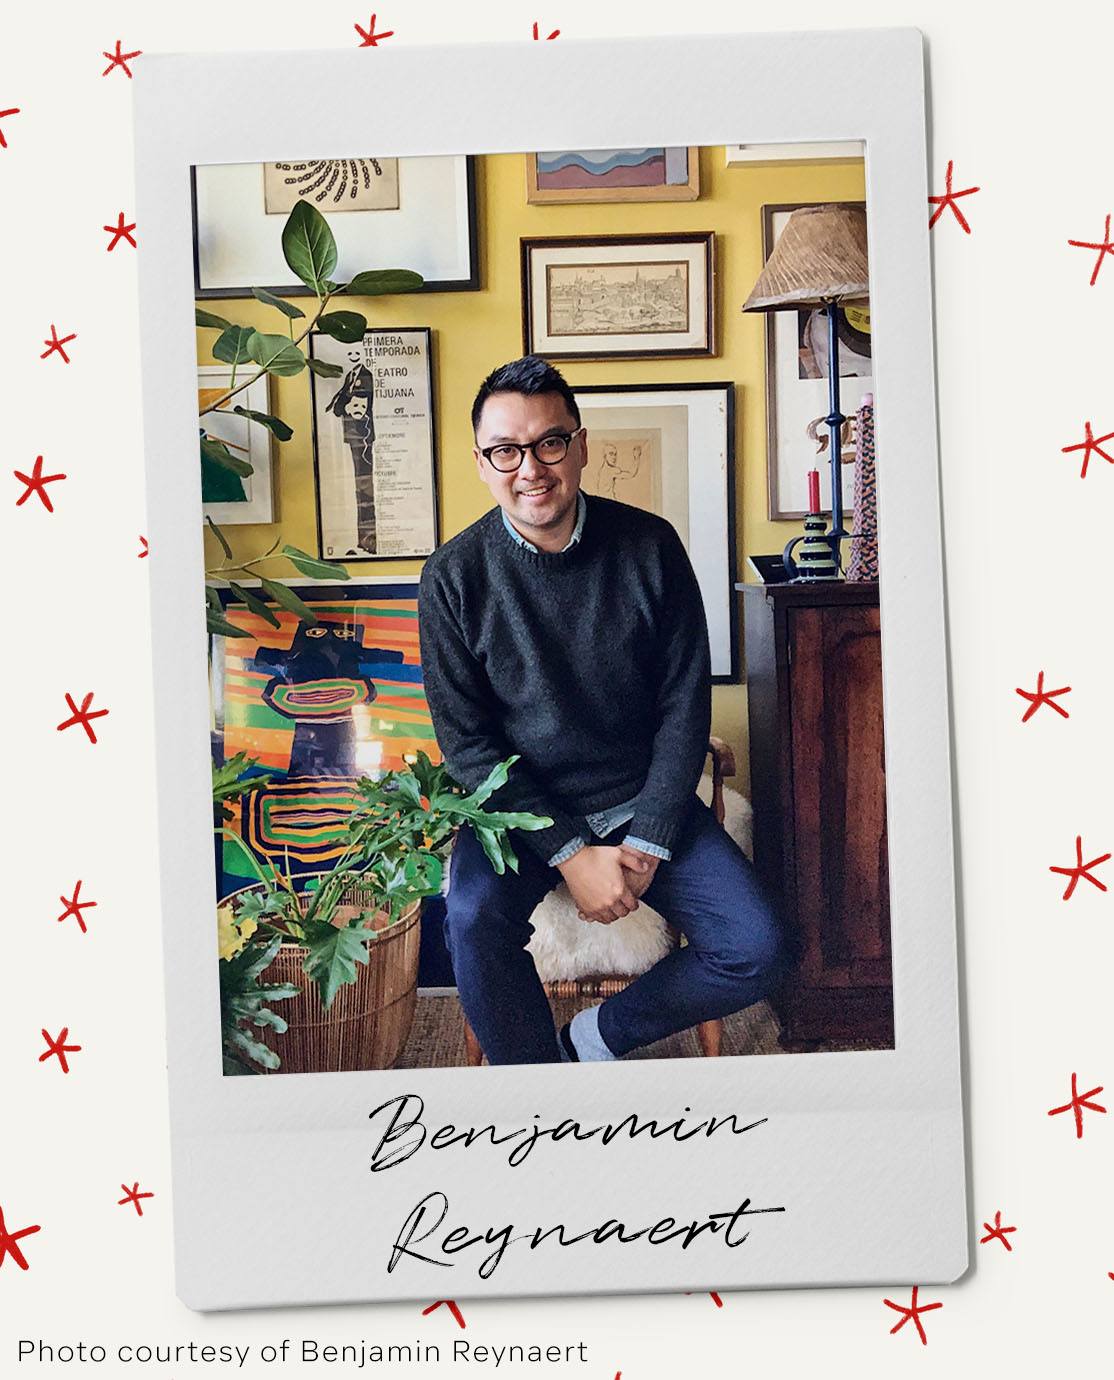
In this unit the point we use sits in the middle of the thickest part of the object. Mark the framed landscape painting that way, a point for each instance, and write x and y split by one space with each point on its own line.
595 175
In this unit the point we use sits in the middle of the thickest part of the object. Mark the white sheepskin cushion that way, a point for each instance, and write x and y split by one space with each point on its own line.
566 947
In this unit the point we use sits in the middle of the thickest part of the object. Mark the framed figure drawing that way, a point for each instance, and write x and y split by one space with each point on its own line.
670 449
619 296
416 213
595 175
797 386
227 497
374 445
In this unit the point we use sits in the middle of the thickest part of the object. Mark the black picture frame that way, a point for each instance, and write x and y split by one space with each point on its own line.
298 289
705 238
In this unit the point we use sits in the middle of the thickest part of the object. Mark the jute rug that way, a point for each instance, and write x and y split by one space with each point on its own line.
436 1038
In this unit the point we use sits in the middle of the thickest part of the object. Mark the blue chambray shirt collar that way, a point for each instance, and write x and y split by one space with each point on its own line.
578 530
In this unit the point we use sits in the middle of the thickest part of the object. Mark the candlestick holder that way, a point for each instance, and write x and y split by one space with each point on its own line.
816 560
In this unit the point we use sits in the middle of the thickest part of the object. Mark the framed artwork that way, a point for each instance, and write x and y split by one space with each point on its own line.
594 175
797 388
226 497
670 448
374 445
619 296
416 213
313 735
835 151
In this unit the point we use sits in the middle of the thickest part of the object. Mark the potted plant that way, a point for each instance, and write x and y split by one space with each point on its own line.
344 947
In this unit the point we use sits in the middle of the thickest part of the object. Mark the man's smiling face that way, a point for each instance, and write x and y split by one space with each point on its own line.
539 499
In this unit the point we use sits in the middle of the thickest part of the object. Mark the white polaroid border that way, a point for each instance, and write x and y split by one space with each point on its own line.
864 1151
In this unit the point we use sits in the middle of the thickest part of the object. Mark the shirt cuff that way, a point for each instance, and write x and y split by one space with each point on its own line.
653 850
564 854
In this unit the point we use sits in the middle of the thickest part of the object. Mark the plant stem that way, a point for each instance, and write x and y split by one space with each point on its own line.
247 384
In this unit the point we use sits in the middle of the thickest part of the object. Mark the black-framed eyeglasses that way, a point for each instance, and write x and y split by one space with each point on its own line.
507 456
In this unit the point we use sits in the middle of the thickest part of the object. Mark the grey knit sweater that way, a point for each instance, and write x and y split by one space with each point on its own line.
591 663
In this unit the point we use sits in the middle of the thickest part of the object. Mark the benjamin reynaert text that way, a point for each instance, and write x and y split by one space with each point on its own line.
402 1132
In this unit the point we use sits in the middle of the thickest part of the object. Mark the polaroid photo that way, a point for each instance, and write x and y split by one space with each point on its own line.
566 909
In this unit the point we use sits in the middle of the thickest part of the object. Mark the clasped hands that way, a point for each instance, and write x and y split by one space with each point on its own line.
606 882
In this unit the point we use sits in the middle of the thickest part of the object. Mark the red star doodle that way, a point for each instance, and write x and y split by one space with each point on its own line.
83 715
1106 247
146 549
74 907
36 483
132 1195
57 1046
9 1243
14 110
1077 1104
1080 870
1041 696
368 37
997 1232
914 1311
450 1304
121 60
119 232
950 198
1089 446
716 1299
555 34
54 344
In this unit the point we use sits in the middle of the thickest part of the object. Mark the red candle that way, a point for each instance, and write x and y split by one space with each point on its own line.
814 491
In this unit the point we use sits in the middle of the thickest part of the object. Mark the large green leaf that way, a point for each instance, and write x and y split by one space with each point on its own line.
215 623
232 345
224 546
284 595
348 326
254 603
495 778
323 369
210 319
379 282
314 568
332 958
273 424
309 246
269 298
276 354
217 453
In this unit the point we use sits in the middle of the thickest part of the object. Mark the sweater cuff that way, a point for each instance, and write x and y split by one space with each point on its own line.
547 843
662 832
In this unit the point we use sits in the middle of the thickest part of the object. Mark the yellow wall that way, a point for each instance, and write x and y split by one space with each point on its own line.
474 331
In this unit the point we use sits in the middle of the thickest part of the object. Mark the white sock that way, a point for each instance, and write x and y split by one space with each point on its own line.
584 1031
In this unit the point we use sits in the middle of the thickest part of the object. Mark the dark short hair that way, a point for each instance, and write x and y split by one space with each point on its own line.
531 376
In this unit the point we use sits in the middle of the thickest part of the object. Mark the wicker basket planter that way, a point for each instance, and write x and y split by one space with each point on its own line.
369 1020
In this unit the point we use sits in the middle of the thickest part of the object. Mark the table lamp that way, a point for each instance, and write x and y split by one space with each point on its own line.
820 260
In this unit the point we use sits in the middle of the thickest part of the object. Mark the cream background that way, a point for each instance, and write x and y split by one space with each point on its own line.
1023 110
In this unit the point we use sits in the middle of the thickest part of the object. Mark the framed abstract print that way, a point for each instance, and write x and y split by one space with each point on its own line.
415 213
797 387
670 449
596 175
619 296
374 445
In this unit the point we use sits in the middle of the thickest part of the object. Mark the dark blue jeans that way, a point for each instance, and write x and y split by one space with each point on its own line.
708 889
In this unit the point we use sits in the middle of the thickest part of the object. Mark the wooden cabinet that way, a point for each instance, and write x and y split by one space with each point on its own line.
818 785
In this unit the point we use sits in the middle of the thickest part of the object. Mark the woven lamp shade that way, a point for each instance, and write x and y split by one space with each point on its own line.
820 257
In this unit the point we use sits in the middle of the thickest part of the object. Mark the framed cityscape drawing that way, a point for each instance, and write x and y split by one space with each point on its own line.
670 448
797 388
416 213
594 175
227 497
374 445
619 296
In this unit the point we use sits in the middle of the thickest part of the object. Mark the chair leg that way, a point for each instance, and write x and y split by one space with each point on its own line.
710 1035
473 1054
